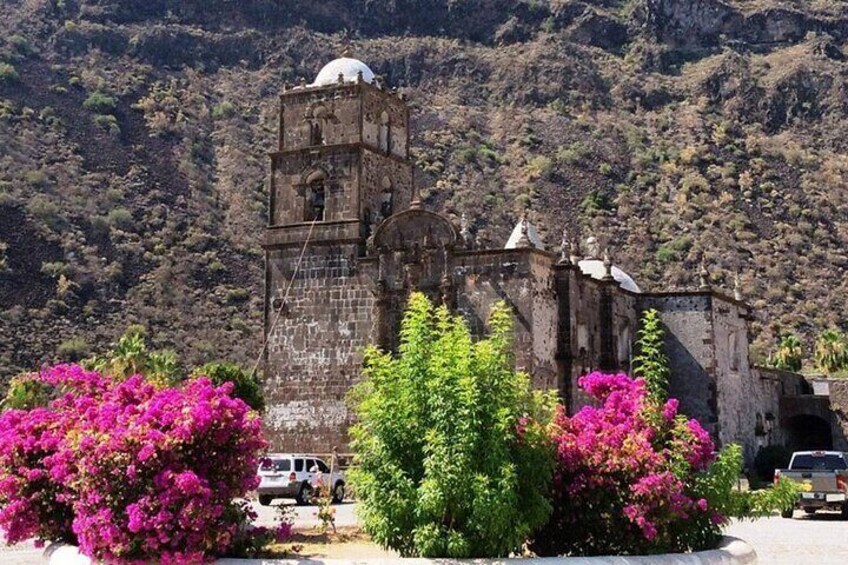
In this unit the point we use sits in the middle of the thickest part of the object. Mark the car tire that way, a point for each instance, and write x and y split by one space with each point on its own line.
304 495
809 510
339 492
845 511
787 513
265 499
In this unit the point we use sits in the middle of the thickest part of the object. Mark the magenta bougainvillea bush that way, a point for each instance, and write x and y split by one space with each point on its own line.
630 476
129 471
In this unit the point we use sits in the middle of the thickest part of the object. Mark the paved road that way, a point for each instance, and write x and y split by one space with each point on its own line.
821 539
805 540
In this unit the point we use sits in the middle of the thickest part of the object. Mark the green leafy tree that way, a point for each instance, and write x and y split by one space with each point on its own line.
452 454
247 385
789 354
650 362
831 353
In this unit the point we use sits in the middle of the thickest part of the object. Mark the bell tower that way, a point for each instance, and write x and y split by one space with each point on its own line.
341 167
343 155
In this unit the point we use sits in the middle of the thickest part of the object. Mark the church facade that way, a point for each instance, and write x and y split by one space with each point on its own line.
348 241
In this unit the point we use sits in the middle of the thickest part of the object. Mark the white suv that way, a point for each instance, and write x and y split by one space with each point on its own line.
292 475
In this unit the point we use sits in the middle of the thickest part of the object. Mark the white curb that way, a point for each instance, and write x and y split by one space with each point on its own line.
732 551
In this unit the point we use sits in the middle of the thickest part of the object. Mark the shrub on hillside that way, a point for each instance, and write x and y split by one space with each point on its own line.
128 471
8 73
452 457
100 102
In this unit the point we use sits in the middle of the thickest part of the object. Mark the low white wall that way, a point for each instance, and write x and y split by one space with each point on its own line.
732 551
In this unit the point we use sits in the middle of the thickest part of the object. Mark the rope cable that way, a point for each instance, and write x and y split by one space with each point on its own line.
285 297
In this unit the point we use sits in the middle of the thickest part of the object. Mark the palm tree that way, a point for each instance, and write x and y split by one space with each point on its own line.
789 353
831 351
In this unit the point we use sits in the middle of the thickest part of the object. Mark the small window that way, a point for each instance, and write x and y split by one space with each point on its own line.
315 203
310 465
316 135
298 465
322 466
282 465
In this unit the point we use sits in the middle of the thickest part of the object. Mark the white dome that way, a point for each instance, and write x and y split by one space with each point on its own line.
595 269
348 68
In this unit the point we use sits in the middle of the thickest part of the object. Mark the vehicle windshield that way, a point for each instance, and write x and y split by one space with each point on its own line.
816 462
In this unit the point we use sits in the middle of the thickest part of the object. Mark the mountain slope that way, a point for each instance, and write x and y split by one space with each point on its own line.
133 138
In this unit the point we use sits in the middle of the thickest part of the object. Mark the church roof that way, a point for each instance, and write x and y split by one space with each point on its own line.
345 66
595 269
533 239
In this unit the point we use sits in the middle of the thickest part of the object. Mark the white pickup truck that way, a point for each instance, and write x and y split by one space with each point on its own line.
823 476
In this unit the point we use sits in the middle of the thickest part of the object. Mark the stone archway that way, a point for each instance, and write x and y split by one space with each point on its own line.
806 432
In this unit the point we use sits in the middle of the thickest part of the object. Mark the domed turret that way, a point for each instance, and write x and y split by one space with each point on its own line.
348 68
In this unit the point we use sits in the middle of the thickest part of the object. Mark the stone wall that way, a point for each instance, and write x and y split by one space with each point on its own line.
314 354
687 318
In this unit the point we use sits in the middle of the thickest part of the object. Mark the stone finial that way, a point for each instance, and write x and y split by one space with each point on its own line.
574 252
593 248
341 78
465 230
737 288
302 82
704 277
359 77
286 86
524 240
564 246
607 266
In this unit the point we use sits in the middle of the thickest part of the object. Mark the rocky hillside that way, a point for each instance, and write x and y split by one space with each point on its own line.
133 137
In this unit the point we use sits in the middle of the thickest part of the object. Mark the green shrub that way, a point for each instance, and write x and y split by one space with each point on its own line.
236 295
108 123
452 454
26 392
73 350
223 110
650 361
595 202
120 218
100 102
21 45
8 73
247 385
540 167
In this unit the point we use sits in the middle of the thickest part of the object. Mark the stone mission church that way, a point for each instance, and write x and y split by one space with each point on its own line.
347 241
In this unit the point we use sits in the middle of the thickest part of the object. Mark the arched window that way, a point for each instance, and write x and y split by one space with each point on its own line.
314 194
315 202
385 132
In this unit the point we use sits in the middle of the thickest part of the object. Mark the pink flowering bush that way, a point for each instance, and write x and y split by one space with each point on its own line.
129 471
630 476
